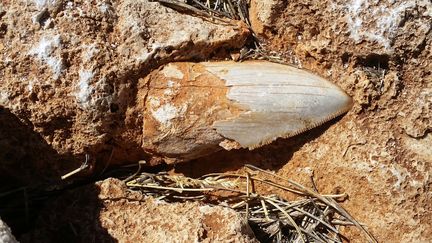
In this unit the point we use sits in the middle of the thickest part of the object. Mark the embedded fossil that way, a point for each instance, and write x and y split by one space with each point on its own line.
193 109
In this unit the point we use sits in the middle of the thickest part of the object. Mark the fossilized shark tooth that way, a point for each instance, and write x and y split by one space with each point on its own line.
193 109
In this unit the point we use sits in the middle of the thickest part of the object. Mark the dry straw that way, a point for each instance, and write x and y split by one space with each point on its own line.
225 11
232 9
312 217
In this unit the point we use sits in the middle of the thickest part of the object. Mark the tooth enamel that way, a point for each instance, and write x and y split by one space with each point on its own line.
283 101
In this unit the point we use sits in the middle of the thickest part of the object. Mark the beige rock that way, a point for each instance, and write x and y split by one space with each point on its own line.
69 70
263 12
71 74
109 212
380 53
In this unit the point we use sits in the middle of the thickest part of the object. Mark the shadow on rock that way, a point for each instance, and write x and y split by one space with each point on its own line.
272 156
24 155
72 217
29 168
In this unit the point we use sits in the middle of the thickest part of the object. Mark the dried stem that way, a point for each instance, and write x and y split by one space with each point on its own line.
314 216
83 166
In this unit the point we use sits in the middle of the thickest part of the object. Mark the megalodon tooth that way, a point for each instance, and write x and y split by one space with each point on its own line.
194 109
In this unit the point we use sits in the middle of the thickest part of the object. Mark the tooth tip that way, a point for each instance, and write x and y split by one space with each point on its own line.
283 101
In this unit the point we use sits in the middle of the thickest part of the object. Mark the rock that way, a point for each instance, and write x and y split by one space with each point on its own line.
24 152
109 212
69 75
263 12
380 52
69 70
6 233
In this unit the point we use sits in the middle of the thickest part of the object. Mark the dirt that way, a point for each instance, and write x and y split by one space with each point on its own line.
380 53
108 212
379 153
70 70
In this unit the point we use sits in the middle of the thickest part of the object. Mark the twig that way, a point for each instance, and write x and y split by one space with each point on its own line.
140 163
108 162
350 146
266 214
314 214
302 211
171 188
247 194
186 7
83 166
328 201
289 218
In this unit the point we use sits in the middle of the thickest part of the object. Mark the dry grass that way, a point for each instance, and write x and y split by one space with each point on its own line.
226 10
312 217
232 9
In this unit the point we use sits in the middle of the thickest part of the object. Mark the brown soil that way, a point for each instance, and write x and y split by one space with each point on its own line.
108 212
379 153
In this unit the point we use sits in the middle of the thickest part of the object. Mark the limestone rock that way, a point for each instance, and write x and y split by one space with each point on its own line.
380 52
69 70
108 212
263 12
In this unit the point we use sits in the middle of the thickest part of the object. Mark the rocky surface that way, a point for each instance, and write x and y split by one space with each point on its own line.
69 71
380 52
6 234
108 212
69 75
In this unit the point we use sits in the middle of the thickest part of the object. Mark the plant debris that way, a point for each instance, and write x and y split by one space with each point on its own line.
232 9
312 217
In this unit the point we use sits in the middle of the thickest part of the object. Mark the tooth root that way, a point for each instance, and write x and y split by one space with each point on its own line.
182 102
191 108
